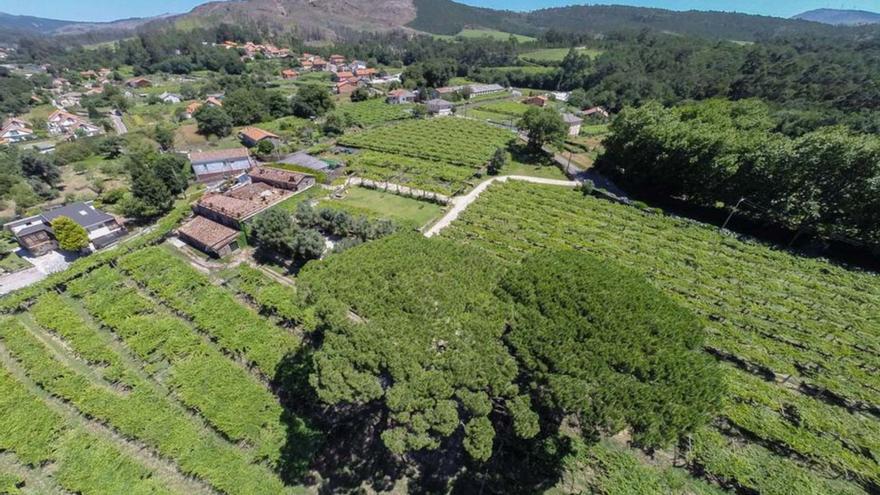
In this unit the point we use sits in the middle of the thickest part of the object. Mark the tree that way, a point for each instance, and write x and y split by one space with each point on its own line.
598 341
164 135
111 147
543 125
497 162
308 244
150 196
213 120
245 106
312 101
334 125
578 98
419 111
71 236
360 94
274 231
265 148
173 170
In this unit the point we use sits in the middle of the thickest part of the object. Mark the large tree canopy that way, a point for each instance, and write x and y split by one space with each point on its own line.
426 343
598 341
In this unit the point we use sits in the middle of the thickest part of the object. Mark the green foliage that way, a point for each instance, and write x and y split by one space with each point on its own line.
419 360
457 141
544 126
498 161
374 112
312 100
600 342
825 181
212 120
71 236
764 309
274 297
28 428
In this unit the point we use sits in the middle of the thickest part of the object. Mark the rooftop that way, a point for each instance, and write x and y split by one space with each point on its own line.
81 213
208 232
256 134
234 154
277 175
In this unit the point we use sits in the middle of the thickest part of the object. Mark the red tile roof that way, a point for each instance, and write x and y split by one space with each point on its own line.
277 175
256 134
218 155
208 232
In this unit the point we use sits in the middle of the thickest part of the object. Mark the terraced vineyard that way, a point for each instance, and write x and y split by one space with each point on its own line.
436 154
146 377
799 338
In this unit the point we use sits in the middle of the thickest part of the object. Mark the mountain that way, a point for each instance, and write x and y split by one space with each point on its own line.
838 17
15 27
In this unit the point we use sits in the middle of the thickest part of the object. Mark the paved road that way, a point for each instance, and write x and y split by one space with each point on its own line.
460 203
118 124
43 267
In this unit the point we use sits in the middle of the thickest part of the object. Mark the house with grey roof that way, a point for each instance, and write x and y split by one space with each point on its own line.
573 122
439 107
304 159
219 165
35 233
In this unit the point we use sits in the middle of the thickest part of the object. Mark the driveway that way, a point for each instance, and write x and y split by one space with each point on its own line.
43 266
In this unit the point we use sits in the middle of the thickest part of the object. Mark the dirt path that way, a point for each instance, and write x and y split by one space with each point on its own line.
460 203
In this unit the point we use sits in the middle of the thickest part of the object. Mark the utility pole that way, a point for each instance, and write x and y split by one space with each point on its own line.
735 208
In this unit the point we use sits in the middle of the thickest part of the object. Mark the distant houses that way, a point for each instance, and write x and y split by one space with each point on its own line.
538 101
192 108
170 98
573 122
289 74
598 112
35 233
64 123
139 82
219 165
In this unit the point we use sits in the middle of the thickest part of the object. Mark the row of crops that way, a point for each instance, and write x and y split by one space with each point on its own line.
799 336
374 112
438 154
145 377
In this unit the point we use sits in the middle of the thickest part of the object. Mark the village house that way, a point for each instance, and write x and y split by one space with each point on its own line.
365 72
319 63
400 97
596 112
139 82
192 108
573 122
209 236
304 159
538 101
35 233
239 205
562 96
439 108
252 136
289 74
337 59
170 98
218 165
15 130
343 76
282 179
344 87
447 91
61 122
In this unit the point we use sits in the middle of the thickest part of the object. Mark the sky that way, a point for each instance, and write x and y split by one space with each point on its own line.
106 10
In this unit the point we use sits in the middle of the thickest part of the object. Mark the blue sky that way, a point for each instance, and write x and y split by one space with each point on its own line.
104 10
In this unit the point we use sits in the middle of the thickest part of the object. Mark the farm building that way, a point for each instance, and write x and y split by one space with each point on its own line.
209 236
596 112
400 97
538 101
170 98
212 166
573 122
337 59
344 87
252 136
35 233
282 179
343 76
139 82
289 74
485 89
235 207
439 107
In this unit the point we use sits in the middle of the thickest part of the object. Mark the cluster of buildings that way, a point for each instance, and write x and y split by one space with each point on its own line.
251 50
62 123
573 120
211 101
470 90
221 216
35 233
15 130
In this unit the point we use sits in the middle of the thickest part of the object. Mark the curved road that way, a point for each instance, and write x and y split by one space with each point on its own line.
460 203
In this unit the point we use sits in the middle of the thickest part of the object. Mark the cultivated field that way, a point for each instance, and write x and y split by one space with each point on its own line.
798 337
144 376
374 112
438 154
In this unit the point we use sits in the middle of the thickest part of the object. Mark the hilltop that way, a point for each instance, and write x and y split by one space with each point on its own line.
839 17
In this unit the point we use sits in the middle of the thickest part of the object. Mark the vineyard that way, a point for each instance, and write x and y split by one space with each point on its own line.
437 154
798 338
374 112
147 377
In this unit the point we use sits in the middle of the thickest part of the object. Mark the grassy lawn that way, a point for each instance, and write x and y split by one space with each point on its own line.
377 204
532 170
186 138
556 54
311 193
11 263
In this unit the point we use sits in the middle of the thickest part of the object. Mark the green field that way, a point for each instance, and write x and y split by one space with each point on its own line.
375 204
797 337
374 112
556 54
486 33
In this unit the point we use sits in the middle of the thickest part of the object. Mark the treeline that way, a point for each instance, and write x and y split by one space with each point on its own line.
826 181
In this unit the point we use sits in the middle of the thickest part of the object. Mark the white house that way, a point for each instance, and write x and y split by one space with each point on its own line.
15 131
170 98
401 96
439 107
